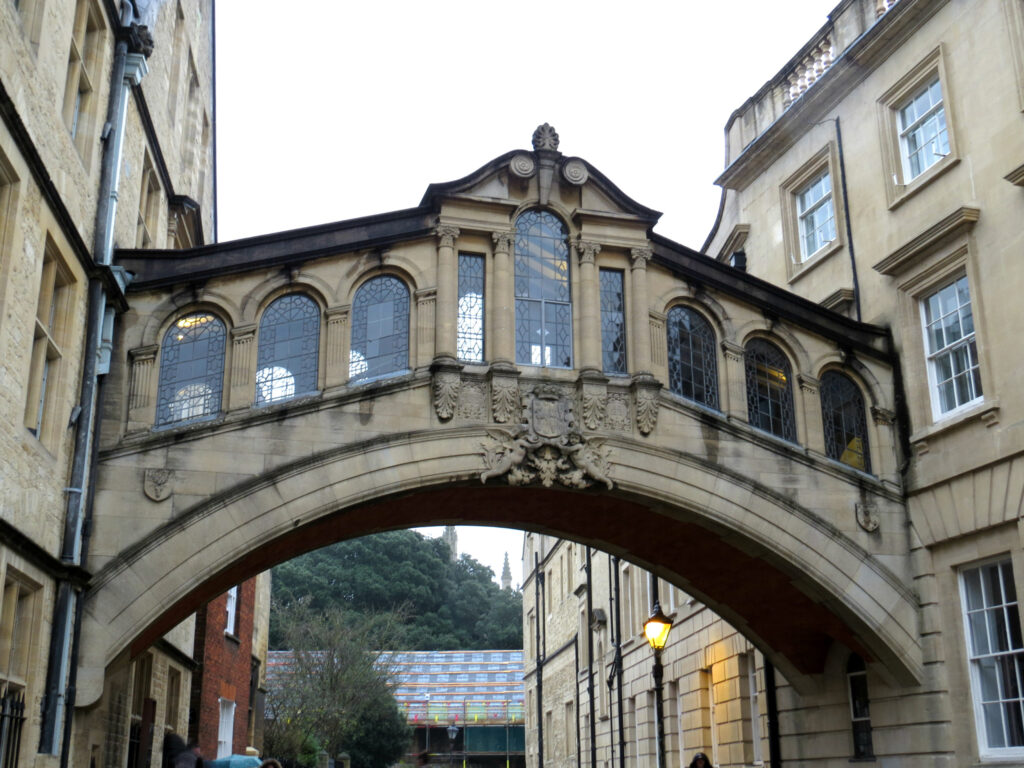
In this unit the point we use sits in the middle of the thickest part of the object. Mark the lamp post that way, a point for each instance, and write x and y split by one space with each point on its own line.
656 630
453 732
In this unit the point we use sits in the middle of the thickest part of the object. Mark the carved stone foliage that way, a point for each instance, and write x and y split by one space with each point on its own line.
546 448
446 393
545 137
157 483
645 391
594 405
505 399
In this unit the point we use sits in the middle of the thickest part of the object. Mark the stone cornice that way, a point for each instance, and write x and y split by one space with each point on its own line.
960 220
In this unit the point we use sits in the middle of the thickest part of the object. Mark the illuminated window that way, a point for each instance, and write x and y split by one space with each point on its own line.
769 390
380 329
692 359
543 301
191 369
289 349
845 422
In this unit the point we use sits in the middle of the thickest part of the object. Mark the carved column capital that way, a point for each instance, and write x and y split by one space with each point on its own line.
808 384
882 416
640 257
502 241
447 234
586 251
242 334
732 351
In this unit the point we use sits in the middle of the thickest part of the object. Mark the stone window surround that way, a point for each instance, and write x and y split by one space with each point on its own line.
897 187
825 159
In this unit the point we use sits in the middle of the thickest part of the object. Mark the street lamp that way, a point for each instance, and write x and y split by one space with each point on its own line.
656 629
453 731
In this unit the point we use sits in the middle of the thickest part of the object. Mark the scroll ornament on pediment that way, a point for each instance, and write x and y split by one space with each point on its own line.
547 448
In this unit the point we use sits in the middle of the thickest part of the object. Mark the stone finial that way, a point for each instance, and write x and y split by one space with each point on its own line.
545 137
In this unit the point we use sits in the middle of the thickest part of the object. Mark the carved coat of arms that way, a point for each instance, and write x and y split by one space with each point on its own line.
157 484
547 447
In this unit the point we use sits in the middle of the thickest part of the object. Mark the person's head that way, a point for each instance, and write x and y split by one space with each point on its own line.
700 760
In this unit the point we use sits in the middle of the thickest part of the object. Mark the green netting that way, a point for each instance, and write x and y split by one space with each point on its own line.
495 738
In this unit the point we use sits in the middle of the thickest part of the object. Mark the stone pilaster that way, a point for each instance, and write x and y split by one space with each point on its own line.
504 321
241 391
338 345
446 307
141 400
641 335
811 432
734 396
590 306
426 316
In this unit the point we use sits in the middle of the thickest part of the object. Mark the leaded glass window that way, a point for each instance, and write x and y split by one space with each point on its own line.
543 302
613 321
844 420
860 714
692 359
996 655
470 341
289 349
191 369
769 390
380 329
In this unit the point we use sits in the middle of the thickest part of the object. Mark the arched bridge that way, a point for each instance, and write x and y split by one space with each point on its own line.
521 350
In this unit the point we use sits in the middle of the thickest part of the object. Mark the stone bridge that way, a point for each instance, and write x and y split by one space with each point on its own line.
523 350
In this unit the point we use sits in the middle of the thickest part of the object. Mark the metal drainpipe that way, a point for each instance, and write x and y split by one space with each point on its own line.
538 600
846 216
774 748
618 664
128 70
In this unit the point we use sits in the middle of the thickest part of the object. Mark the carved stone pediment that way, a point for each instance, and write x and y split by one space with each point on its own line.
547 447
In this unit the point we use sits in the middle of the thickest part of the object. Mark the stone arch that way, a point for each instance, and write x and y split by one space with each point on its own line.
709 306
385 270
163 314
255 302
781 337
829 588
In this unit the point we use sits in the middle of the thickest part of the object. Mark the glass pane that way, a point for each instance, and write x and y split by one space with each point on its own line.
191 369
544 323
994 725
979 633
470 328
288 350
380 328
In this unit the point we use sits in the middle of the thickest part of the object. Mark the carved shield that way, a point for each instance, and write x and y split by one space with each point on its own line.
157 483
549 415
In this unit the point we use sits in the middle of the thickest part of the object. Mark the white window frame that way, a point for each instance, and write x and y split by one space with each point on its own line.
934 356
225 728
973 659
231 627
806 221
939 143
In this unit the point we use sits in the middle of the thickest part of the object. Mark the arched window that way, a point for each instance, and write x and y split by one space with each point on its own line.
692 359
380 329
191 369
289 348
543 301
769 389
843 416
860 715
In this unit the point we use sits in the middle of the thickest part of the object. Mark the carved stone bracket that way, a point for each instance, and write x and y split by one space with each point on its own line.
732 351
547 448
447 381
882 416
645 391
867 517
808 384
593 398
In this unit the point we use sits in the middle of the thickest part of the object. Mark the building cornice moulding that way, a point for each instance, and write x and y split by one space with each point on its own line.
960 220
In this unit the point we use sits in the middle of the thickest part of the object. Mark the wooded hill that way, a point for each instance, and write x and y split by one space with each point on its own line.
443 605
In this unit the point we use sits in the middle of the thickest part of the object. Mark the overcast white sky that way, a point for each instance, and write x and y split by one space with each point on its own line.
330 110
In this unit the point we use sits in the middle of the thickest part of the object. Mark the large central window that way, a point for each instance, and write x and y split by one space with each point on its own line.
543 301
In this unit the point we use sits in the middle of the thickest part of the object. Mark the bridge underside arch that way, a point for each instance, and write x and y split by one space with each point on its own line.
782 576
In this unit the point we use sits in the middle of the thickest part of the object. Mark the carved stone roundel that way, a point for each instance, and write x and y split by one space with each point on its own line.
522 165
575 171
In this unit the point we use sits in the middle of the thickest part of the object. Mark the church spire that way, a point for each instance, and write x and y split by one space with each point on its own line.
506 575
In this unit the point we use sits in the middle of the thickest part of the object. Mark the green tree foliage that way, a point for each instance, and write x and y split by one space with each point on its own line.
334 695
448 605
